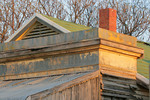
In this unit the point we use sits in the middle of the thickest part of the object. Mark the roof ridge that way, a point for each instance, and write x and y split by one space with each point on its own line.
73 27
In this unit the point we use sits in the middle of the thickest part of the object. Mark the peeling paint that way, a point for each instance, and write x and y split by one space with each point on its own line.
51 63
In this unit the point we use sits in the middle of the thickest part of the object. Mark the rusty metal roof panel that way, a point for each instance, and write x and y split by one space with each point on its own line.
21 89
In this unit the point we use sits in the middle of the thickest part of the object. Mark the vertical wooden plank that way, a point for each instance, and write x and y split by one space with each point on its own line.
68 94
94 86
73 93
81 91
53 97
57 96
64 94
77 92
97 88
89 90
49 97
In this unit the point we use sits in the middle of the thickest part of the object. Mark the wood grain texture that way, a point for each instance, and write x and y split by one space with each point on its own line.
83 88
119 88
84 91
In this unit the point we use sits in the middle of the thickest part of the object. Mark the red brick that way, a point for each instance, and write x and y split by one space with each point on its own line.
107 19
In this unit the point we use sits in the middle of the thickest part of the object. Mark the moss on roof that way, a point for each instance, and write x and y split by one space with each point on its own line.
143 64
68 25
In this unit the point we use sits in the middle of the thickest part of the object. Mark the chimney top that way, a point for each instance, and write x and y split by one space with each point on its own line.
107 19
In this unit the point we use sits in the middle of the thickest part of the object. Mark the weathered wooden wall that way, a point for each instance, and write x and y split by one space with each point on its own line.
50 66
87 90
58 54
118 88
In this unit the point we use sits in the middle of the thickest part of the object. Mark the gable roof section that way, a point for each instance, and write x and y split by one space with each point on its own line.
38 30
37 17
143 64
54 23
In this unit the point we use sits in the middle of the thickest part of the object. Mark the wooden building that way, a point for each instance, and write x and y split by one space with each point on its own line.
51 59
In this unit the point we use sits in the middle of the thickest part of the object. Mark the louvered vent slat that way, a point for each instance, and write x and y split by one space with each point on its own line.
30 37
40 30
40 27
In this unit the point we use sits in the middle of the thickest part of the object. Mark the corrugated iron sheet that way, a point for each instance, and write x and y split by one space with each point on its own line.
21 89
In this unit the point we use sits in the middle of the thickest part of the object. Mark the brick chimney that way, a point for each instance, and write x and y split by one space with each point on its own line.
107 19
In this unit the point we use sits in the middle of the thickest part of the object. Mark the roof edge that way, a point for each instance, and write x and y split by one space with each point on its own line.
63 86
50 22
32 20
21 28
141 80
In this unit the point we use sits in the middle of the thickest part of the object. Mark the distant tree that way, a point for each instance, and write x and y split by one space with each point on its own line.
76 8
54 8
90 16
12 14
133 17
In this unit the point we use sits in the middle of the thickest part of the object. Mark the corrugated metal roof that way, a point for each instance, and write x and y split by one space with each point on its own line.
21 89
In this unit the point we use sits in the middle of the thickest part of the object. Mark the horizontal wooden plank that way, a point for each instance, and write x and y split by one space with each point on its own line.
73 70
40 29
50 63
45 50
50 40
115 95
114 86
121 48
40 26
119 72
39 35
41 32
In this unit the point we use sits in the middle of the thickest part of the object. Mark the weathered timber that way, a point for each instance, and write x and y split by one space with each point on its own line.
36 18
40 32
83 88
48 64
50 72
20 89
40 35
50 40
39 29
141 80
125 48
122 88
36 49
117 37
48 50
